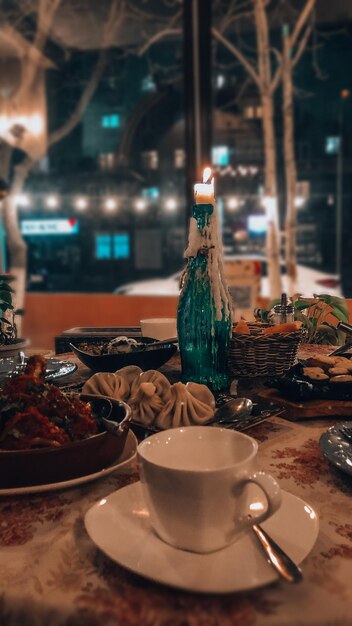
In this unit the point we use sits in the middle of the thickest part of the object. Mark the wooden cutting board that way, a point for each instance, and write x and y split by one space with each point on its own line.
309 409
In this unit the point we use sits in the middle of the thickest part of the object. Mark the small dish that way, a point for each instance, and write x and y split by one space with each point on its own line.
55 368
240 566
336 448
146 359
23 468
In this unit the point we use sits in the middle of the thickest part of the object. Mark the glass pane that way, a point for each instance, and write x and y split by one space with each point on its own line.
103 246
121 246
103 124
281 127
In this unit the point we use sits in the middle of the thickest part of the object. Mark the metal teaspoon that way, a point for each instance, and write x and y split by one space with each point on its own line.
286 568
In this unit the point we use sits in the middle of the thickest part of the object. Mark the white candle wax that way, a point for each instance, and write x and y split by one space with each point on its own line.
204 193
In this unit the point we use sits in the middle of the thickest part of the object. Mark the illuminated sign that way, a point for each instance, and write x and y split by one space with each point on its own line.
64 226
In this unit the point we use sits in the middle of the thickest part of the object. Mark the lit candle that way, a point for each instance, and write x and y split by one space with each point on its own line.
204 192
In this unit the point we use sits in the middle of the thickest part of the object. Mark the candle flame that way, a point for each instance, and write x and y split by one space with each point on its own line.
206 174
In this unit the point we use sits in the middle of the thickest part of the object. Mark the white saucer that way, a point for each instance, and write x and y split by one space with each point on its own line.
128 454
119 526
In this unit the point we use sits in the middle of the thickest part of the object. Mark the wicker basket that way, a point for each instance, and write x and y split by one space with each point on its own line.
263 355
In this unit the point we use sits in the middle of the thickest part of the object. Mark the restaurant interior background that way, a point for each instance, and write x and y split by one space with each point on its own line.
108 134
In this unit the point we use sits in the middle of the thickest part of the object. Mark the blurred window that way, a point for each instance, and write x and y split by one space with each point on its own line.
253 112
110 121
180 158
121 244
332 145
150 193
148 84
103 246
150 160
106 161
220 155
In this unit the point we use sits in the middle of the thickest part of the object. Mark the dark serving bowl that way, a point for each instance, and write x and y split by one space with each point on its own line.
40 466
146 359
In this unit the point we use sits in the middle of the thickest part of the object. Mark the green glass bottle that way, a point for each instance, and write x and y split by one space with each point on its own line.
204 310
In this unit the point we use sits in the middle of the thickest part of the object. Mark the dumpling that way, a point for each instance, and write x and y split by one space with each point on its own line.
124 379
150 391
162 385
101 384
190 404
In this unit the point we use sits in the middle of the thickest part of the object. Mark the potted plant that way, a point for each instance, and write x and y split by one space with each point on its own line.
9 342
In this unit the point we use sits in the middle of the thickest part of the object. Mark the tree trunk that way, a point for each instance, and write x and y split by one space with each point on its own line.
290 168
270 180
16 245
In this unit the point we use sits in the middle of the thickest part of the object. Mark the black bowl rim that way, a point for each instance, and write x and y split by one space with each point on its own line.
164 346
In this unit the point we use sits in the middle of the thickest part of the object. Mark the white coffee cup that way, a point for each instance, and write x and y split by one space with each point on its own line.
196 482
159 327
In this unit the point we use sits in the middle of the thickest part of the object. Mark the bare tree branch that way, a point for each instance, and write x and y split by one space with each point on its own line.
168 32
305 13
114 18
239 55
276 79
302 45
46 13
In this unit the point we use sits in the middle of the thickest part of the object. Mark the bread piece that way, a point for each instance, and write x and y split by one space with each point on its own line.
312 370
242 328
317 376
343 361
282 329
337 371
347 378
325 362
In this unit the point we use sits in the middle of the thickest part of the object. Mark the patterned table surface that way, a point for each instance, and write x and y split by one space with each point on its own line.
53 575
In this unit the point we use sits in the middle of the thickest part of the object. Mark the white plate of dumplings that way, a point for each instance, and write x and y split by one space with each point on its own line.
156 403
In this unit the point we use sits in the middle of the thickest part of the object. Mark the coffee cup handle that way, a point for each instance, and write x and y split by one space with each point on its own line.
272 493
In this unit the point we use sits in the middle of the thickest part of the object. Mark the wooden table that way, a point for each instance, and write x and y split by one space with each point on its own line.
53 575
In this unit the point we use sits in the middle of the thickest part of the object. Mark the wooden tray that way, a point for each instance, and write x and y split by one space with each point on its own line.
309 409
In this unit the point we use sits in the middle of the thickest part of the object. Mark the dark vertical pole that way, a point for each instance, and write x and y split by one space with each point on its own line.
198 92
4 191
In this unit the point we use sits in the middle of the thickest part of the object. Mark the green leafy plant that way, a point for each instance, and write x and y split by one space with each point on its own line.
317 316
8 330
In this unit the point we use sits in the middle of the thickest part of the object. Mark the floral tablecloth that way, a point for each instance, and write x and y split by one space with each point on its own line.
53 575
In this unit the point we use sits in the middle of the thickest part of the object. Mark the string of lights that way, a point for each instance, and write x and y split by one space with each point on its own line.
111 204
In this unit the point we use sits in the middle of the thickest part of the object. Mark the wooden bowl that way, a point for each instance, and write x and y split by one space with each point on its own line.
38 466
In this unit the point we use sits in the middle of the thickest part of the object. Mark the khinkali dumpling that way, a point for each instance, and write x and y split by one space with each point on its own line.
150 391
188 405
161 383
101 384
124 379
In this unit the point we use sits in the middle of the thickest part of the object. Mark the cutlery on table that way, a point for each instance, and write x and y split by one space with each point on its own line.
161 342
346 328
286 568
233 408
20 365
